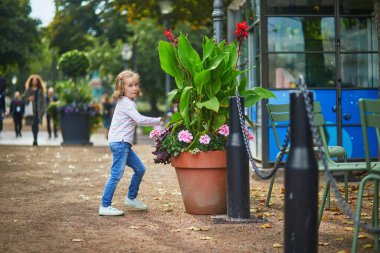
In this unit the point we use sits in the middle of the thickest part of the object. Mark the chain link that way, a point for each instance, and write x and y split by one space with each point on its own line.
333 185
251 159
316 136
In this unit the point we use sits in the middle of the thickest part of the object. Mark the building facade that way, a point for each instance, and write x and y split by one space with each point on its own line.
330 45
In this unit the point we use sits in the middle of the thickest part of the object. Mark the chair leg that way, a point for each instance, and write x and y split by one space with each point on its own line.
346 186
329 198
270 190
323 202
357 215
375 213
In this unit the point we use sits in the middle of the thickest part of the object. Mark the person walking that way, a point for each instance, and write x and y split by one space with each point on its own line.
50 117
17 109
35 90
120 137
2 103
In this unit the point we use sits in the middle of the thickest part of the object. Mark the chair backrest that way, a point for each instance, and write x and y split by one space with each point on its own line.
278 114
369 117
319 122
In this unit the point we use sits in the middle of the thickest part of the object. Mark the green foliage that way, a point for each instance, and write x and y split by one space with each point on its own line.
74 63
146 129
77 23
76 98
19 35
106 58
204 84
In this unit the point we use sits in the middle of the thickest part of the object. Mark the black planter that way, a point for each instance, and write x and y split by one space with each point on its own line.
75 128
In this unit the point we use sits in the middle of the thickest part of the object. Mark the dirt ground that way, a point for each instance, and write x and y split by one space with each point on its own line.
49 198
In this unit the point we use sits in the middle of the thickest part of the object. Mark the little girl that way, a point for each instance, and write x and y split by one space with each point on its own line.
120 137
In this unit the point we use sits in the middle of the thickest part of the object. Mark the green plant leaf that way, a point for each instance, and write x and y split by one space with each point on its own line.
179 83
168 60
208 48
175 118
220 120
216 61
171 95
187 55
251 97
243 84
202 78
184 106
211 104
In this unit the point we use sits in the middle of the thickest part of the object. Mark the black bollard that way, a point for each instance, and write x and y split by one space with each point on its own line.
301 183
238 205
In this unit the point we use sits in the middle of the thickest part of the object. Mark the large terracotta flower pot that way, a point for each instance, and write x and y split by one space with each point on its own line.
202 179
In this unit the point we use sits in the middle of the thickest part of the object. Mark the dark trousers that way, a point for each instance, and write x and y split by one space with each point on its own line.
48 121
1 121
17 120
35 128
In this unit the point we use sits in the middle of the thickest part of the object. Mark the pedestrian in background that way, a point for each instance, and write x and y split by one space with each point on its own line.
2 103
17 109
35 90
51 117
107 111
120 138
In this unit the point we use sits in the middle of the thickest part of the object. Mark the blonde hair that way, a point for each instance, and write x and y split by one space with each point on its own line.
119 83
40 83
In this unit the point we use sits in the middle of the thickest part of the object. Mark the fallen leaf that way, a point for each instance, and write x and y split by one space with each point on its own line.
168 210
277 245
175 230
133 227
362 236
323 243
339 239
266 225
207 238
349 228
260 215
342 251
77 240
367 246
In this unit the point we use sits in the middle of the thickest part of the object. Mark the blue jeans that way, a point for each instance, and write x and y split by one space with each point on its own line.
123 155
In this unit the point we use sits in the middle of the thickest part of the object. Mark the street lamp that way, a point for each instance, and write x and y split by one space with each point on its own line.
166 8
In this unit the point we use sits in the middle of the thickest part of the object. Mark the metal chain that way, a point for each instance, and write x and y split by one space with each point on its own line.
333 185
316 136
254 166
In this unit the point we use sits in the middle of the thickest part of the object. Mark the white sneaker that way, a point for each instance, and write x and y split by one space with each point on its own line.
135 203
109 211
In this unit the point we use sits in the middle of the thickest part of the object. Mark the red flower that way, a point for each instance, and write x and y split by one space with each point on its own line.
241 31
170 36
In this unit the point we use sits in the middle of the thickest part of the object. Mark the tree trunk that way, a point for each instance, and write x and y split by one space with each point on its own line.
153 106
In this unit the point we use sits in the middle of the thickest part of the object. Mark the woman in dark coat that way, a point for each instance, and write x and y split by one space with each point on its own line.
35 90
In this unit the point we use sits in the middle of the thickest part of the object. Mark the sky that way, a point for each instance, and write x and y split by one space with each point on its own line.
43 10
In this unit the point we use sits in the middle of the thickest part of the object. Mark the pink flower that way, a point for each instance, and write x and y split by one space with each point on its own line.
224 130
154 134
185 136
249 135
205 139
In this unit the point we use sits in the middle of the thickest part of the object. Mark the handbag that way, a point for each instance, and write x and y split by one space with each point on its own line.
29 109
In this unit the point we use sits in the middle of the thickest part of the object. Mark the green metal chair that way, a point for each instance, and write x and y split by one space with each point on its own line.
369 117
279 114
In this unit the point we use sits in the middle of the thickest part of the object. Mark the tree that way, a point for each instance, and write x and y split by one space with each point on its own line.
77 22
19 34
